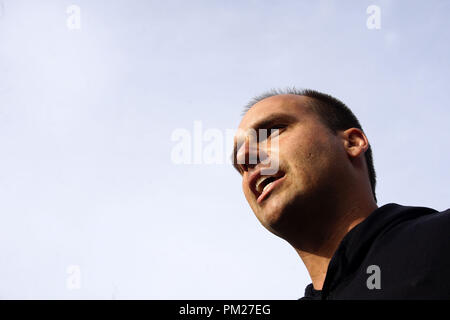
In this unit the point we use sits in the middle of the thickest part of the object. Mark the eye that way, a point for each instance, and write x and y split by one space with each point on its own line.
271 131
277 127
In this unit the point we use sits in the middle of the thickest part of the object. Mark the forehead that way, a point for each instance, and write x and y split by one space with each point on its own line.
289 104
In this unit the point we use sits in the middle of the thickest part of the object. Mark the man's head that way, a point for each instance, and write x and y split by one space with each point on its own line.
323 156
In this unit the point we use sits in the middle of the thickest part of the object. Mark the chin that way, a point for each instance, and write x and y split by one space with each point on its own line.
271 213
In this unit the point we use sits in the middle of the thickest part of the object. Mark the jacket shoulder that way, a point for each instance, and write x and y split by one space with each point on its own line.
421 236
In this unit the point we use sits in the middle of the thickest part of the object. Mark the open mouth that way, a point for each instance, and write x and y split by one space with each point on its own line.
263 185
264 182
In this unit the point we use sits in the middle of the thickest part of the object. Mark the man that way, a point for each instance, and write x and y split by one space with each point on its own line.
322 201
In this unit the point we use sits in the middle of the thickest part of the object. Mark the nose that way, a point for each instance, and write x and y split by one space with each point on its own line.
249 154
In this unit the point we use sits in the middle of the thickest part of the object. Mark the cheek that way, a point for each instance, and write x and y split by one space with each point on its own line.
297 151
247 192
306 156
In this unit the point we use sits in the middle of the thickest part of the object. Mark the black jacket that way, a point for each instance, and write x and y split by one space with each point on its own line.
397 252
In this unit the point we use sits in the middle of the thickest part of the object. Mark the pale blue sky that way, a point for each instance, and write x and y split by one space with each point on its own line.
86 118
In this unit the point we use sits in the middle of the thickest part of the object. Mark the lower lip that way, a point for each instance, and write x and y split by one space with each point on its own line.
266 192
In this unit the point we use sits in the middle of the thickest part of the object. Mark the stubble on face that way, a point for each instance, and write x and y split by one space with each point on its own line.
308 155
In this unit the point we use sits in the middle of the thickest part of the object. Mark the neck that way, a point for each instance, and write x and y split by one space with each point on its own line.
317 251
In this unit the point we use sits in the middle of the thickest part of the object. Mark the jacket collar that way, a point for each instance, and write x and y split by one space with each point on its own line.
357 242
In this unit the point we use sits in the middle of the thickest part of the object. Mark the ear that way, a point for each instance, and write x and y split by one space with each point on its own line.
355 142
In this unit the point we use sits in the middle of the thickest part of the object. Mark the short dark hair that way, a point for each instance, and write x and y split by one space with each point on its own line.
333 113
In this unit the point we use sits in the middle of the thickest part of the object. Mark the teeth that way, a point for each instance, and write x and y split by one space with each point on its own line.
267 186
262 184
259 183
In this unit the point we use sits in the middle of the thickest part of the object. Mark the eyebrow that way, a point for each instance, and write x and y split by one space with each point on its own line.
266 123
